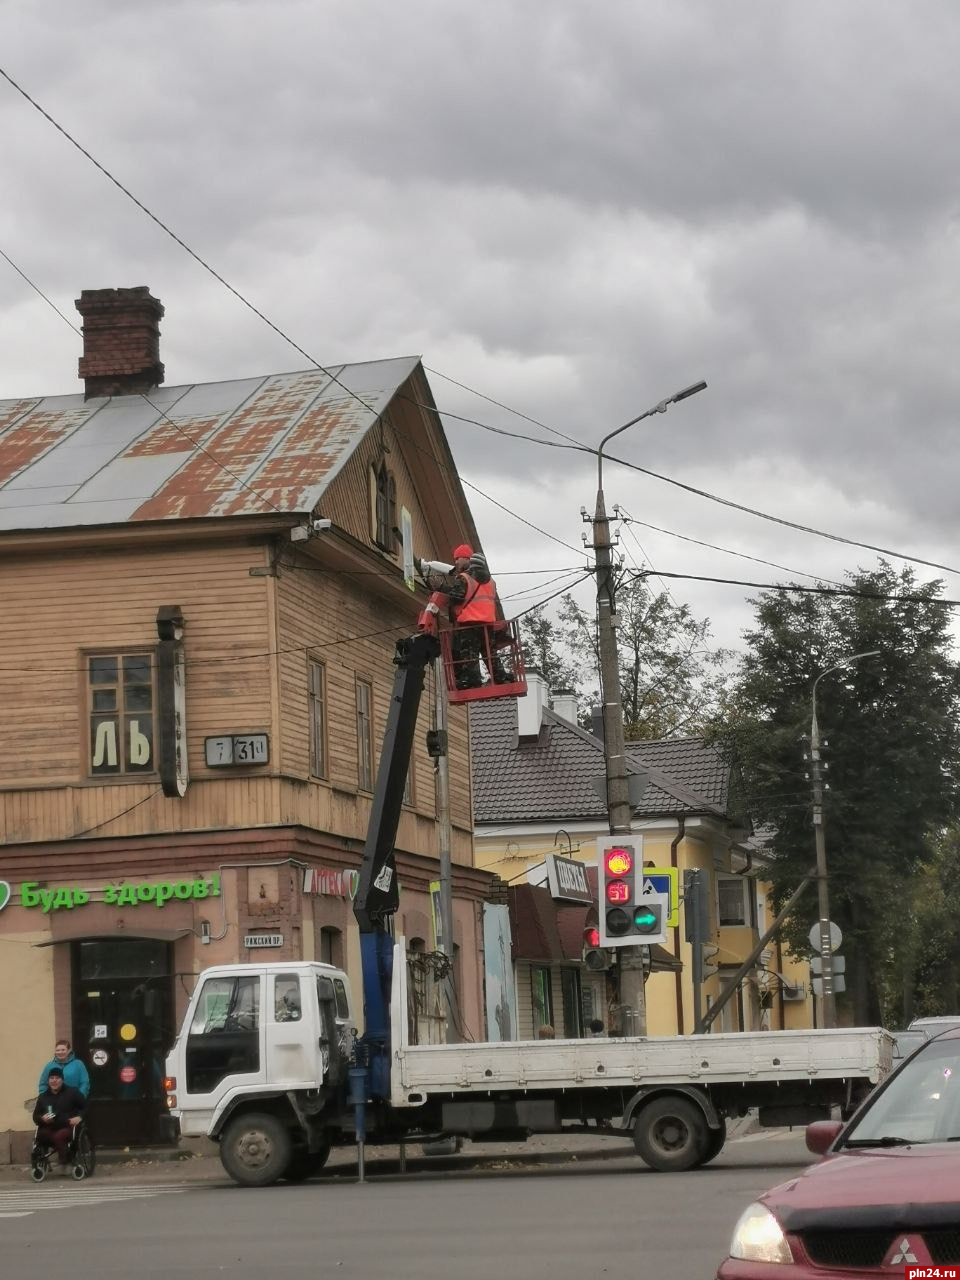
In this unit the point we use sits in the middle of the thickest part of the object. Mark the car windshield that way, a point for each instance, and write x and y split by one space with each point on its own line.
920 1104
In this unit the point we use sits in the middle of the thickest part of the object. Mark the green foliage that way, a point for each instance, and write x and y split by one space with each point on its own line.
893 753
543 648
670 679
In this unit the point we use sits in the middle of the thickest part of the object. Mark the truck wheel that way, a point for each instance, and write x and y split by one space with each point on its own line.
671 1135
256 1149
304 1164
715 1141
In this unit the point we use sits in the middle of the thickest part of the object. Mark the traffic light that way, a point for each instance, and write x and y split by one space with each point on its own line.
628 917
594 957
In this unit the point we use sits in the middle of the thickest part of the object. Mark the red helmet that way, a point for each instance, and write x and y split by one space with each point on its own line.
463 552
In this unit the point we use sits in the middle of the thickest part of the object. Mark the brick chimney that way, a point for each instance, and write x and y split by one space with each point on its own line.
121 341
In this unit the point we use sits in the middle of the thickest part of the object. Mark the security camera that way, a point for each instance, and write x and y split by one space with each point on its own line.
434 566
321 526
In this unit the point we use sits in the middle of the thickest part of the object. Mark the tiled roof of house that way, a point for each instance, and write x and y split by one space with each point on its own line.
551 778
253 446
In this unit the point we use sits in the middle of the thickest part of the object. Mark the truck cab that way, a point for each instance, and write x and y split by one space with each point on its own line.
272 1037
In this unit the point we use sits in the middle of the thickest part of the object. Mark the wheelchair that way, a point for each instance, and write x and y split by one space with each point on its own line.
81 1155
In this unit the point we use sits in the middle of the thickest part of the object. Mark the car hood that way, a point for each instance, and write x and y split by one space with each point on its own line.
894 1186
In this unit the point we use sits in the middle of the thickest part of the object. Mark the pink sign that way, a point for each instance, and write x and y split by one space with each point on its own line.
332 884
128 1074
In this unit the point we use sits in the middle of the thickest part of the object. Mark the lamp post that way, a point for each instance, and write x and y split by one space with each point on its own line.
614 750
828 1003
619 813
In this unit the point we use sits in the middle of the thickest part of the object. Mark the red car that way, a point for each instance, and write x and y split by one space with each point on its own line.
885 1197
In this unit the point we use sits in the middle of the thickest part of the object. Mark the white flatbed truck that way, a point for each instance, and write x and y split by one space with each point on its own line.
268 1064
272 1090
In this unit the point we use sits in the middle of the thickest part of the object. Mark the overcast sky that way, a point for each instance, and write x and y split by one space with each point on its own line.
574 208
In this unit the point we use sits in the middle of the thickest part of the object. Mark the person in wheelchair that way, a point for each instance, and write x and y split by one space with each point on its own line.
57 1115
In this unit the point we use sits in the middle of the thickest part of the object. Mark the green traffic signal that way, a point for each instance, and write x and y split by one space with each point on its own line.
646 919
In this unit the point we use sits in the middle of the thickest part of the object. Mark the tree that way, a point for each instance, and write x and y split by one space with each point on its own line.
544 649
893 755
671 680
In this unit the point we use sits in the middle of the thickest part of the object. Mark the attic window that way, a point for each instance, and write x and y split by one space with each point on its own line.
385 533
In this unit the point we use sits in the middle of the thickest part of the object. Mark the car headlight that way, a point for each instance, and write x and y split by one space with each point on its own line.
758 1237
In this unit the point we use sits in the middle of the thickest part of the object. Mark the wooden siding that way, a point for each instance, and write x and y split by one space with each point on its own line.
348 500
57 609
318 611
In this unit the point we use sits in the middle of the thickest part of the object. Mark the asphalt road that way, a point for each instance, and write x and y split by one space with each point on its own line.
573 1221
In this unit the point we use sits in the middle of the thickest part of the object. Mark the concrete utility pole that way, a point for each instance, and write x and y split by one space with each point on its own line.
619 812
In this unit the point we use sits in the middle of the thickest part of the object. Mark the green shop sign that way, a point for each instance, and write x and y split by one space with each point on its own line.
66 897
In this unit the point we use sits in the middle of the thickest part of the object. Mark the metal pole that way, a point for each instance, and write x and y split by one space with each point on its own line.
751 960
619 813
828 1002
694 891
444 843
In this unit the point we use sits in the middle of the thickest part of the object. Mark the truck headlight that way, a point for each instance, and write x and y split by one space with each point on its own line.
758 1237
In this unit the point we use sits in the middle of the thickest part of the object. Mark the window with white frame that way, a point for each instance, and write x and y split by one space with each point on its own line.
733 900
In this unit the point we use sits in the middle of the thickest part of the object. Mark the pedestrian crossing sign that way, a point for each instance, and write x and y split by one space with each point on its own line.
665 880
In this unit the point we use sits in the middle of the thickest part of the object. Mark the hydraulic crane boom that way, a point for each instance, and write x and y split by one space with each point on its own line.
378 894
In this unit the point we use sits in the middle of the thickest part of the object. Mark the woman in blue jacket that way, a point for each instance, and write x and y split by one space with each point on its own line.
75 1074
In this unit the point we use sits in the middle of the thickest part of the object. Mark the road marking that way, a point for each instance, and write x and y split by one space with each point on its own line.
19 1202
765 1135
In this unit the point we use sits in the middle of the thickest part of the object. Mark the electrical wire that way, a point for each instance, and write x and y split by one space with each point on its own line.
816 591
712 546
106 821
705 493
702 493
36 288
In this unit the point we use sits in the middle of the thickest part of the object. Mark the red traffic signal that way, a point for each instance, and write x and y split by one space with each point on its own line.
618 861
591 937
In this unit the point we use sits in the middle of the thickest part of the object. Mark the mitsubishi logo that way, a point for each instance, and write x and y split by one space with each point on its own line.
903 1255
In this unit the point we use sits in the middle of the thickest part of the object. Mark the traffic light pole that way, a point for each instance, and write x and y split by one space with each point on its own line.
619 812
629 982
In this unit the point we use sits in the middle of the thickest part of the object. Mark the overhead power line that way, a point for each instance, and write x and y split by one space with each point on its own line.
573 443
815 591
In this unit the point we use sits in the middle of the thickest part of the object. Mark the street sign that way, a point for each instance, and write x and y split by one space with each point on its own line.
839 984
839 964
567 880
665 880
836 937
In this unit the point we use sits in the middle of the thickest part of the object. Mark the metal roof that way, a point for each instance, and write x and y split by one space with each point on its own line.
248 447
551 777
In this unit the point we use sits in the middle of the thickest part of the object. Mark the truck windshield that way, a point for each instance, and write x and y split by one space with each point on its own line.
920 1104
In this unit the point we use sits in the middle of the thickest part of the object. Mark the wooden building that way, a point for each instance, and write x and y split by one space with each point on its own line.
201 591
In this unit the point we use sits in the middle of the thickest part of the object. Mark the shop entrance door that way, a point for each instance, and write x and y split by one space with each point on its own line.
123 1028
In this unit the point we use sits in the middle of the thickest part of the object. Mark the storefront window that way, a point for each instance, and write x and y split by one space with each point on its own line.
121 957
572 1003
542 996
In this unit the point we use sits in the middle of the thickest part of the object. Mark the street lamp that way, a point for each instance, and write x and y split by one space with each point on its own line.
828 1000
619 813
618 798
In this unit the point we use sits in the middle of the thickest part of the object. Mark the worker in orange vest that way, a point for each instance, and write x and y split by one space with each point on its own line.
472 599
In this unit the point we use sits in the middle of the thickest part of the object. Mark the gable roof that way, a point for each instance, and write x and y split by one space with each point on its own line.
552 777
248 447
